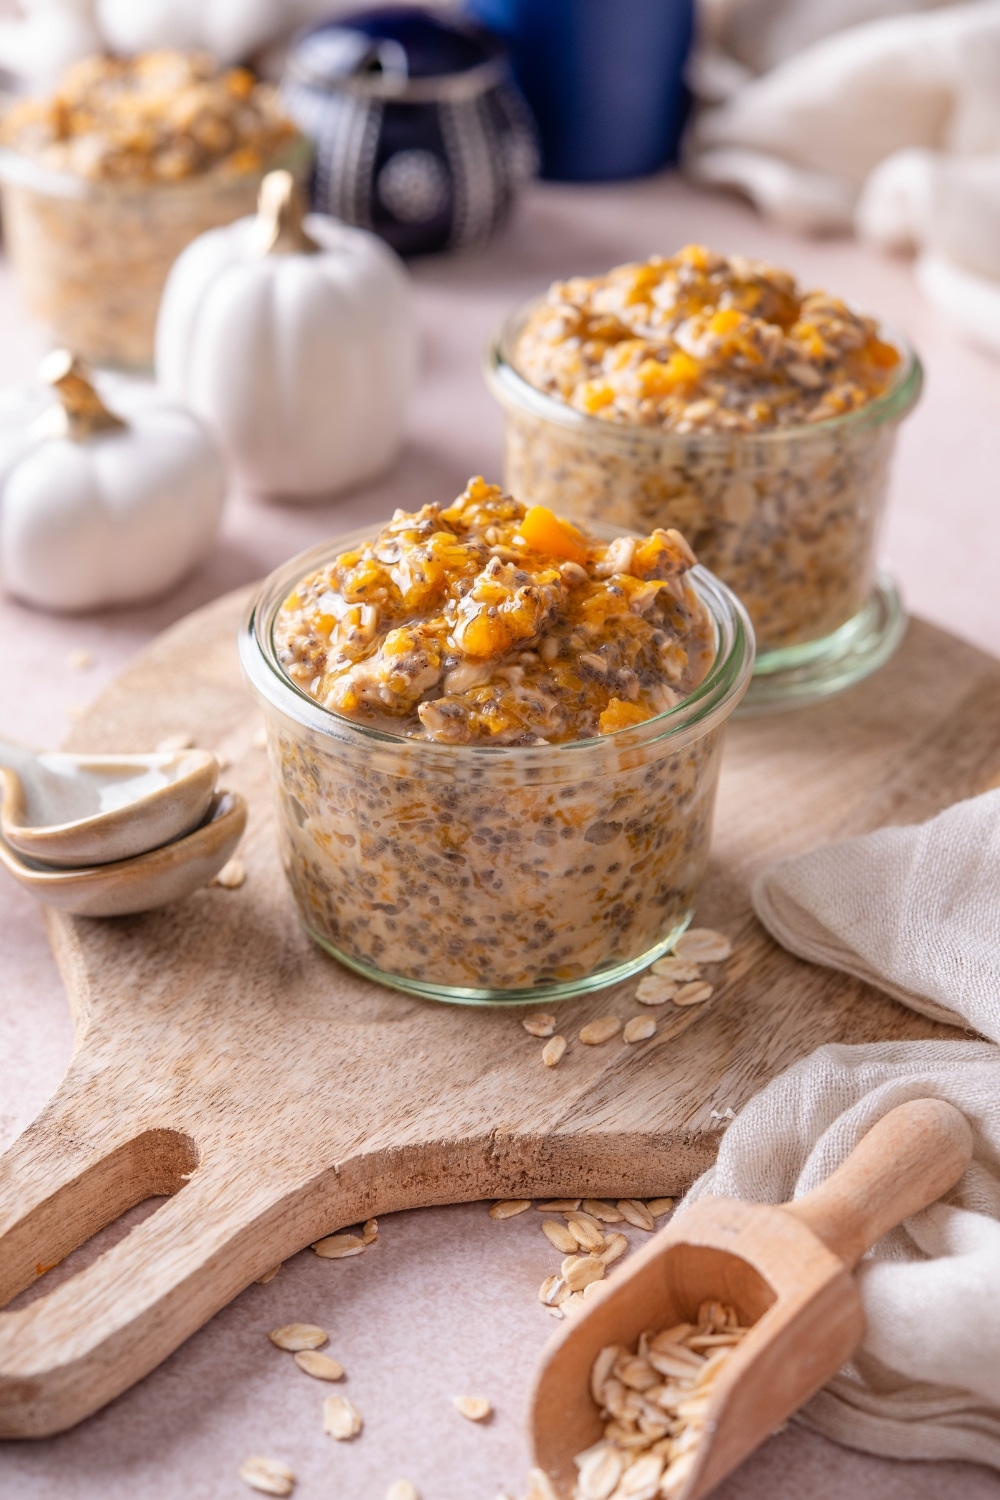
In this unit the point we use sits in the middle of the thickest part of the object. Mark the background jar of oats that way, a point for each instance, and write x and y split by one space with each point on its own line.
480 874
788 518
92 255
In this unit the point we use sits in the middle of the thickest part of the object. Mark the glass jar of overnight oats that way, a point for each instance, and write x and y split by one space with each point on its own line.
710 394
495 742
105 182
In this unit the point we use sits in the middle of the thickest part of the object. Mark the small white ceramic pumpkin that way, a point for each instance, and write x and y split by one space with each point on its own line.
230 29
102 506
296 340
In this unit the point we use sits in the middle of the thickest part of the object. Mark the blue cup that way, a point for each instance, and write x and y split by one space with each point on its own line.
604 79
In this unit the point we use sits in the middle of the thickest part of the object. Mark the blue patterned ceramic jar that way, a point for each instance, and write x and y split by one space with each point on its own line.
419 131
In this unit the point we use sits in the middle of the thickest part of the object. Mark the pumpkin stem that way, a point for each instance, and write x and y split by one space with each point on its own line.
279 217
80 412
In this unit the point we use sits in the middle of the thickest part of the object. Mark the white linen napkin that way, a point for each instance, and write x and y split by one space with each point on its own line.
833 116
915 911
850 101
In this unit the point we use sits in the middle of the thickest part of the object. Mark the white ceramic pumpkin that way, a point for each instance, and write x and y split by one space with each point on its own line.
46 38
99 506
296 340
230 29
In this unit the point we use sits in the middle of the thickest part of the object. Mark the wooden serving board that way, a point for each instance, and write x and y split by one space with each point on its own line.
223 1059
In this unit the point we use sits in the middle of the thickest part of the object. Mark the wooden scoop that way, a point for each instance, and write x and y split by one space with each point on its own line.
786 1270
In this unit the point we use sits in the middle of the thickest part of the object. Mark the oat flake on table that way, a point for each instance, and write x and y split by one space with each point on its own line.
600 1030
296 1336
553 1051
339 1246
268 1476
341 1418
319 1366
473 1408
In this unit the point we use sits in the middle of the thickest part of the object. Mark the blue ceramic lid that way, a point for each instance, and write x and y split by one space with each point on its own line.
396 52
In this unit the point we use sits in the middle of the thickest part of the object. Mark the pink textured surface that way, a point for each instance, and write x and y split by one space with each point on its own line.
446 1303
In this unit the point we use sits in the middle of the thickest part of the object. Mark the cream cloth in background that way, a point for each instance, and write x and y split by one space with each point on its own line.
915 911
852 115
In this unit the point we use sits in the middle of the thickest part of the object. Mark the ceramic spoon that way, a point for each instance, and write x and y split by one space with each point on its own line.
73 810
786 1270
148 880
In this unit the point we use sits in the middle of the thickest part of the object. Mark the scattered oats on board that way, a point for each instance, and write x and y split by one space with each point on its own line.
680 970
269 1275
552 1291
601 1211
341 1418
581 1213
723 1116
319 1366
600 1030
231 876
369 1231
558 1236
295 1336
636 1213
659 1206
693 994
402 1489
579 1271
587 1234
703 945
268 1476
80 661
558 1206
539 1025
339 1246
509 1208
473 1408
553 1051
639 1029
173 742
653 991
614 1248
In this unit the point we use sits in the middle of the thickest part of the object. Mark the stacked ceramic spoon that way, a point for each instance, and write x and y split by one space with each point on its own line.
106 835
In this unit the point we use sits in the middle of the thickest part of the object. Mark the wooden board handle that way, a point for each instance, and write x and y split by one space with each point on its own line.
79 1167
906 1161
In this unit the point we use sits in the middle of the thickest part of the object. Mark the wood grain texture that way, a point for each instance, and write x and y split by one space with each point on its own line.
223 1058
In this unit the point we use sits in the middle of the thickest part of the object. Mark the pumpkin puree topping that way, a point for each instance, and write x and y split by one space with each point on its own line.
703 342
488 621
160 116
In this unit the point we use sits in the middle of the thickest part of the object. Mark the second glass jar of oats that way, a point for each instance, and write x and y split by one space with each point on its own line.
106 181
711 394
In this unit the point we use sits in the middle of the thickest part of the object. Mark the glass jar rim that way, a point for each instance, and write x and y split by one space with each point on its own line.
18 169
514 391
690 719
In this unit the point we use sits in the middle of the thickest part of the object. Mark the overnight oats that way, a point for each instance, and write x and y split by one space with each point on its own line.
105 183
496 739
712 394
